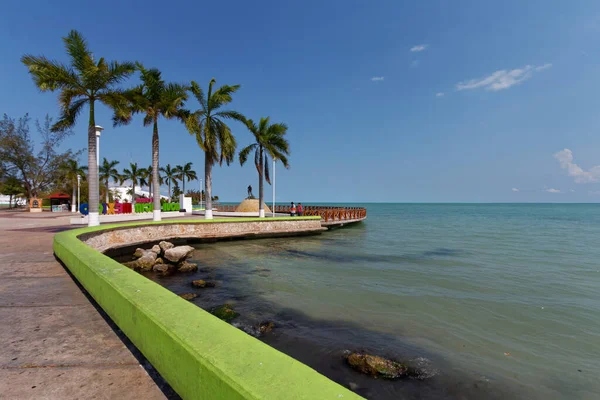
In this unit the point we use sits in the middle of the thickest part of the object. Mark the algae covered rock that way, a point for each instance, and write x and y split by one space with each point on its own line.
139 252
225 312
178 254
188 296
201 283
187 267
266 327
376 366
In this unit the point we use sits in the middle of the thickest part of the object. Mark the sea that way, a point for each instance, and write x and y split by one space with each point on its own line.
487 301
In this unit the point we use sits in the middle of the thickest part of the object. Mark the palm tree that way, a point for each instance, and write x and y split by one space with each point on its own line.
70 170
153 98
84 81
212 133
169 177
269 140
135 175
107 171
149 179
185 172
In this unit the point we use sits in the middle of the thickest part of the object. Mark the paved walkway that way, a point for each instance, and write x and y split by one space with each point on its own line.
54 343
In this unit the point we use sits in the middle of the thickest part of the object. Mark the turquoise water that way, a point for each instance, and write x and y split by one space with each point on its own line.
496 300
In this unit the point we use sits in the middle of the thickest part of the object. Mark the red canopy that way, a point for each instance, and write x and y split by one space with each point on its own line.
59 196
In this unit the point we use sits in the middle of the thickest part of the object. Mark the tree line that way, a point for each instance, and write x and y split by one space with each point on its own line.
29 170
89 81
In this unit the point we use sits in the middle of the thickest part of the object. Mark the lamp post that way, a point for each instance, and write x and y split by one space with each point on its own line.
273 210
99 130
78 186
94 215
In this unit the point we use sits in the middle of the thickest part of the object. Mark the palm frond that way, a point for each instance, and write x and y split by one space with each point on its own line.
267 173
245 153
198 94
82 59
51 75
69 115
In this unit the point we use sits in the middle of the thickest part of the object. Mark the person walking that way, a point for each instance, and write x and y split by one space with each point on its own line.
300 210
293 210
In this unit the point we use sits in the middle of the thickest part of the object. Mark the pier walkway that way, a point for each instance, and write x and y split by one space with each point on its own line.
55 344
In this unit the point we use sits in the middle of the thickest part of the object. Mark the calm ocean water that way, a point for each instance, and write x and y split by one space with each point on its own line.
492 300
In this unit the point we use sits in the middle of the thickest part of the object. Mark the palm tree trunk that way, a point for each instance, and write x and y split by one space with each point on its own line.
132 197
93 195
155 172
73 204
208 214
169 190
183 184
261 206
107 191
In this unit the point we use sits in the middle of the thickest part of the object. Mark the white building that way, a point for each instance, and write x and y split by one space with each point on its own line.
121 193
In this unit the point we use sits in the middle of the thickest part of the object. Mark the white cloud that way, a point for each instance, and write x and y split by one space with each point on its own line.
552 190
502 79
565 158
439 94
377 78
515 190
543 67
418 48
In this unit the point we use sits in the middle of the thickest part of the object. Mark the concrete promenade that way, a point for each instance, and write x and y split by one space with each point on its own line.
55 344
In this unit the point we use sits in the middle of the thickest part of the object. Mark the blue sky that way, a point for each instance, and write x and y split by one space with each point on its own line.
391 101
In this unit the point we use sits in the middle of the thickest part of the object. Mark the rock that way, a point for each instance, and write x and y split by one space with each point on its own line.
164 246
155 249
376 366
187 267
225 312
133 265
201 283
266 327
145 262
159 261
353 386
188 296
139 252
161 267
178 254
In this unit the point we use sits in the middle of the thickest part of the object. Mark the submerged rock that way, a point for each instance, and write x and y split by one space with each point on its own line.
201 283
225 312
266 327
376 366
161 267
258 330
188 296
164 246
187 267
178 254
155 249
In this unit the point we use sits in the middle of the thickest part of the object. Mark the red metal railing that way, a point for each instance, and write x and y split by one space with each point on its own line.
327 213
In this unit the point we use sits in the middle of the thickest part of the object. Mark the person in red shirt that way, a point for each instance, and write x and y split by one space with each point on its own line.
300 209
293 210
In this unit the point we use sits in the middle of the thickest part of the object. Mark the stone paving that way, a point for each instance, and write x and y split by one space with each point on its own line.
54 343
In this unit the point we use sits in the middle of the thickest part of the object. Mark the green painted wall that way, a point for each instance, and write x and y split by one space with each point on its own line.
199 355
